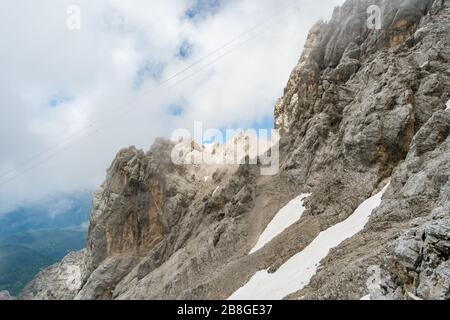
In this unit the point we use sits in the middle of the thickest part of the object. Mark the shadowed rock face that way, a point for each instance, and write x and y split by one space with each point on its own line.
361 107
126 210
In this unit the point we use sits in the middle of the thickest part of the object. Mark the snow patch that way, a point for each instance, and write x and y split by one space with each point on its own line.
448 105
206 178
296 273
215 190
72 277
412 296
366 297
287 216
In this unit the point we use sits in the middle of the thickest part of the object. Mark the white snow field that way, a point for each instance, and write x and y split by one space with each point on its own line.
287 215
296 273
448 105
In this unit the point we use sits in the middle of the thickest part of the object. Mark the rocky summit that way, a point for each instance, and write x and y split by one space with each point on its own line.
364 134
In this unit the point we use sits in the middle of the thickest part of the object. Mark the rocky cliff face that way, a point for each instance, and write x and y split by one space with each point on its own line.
361 108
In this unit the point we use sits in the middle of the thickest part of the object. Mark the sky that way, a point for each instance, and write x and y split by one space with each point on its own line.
72 95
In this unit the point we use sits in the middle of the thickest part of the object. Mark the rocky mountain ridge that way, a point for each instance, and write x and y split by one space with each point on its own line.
361 108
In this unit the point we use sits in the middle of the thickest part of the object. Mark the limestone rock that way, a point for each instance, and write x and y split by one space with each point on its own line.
61 281
4 295
361 107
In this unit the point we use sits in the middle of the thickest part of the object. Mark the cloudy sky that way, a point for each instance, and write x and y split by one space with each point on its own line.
71 98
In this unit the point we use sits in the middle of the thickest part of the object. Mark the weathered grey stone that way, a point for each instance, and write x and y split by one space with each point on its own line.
435 284
361 107
4 295
408 253
61 281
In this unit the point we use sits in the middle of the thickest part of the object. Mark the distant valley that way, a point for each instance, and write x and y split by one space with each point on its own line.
34 237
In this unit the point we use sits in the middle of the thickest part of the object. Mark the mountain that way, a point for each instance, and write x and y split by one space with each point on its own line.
360 208
61 211
35 236
24 255
18 265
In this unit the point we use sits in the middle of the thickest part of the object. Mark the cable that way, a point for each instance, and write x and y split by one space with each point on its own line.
158 86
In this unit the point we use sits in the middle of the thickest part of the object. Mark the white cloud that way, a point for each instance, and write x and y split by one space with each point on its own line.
59 207
95 69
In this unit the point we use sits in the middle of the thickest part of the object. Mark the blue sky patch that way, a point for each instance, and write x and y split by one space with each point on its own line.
265 123
176 110
202 8
149 70
185 50
59 99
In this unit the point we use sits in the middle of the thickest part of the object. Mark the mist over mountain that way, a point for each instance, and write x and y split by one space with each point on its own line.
23 255
60 211
37 235
358 208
